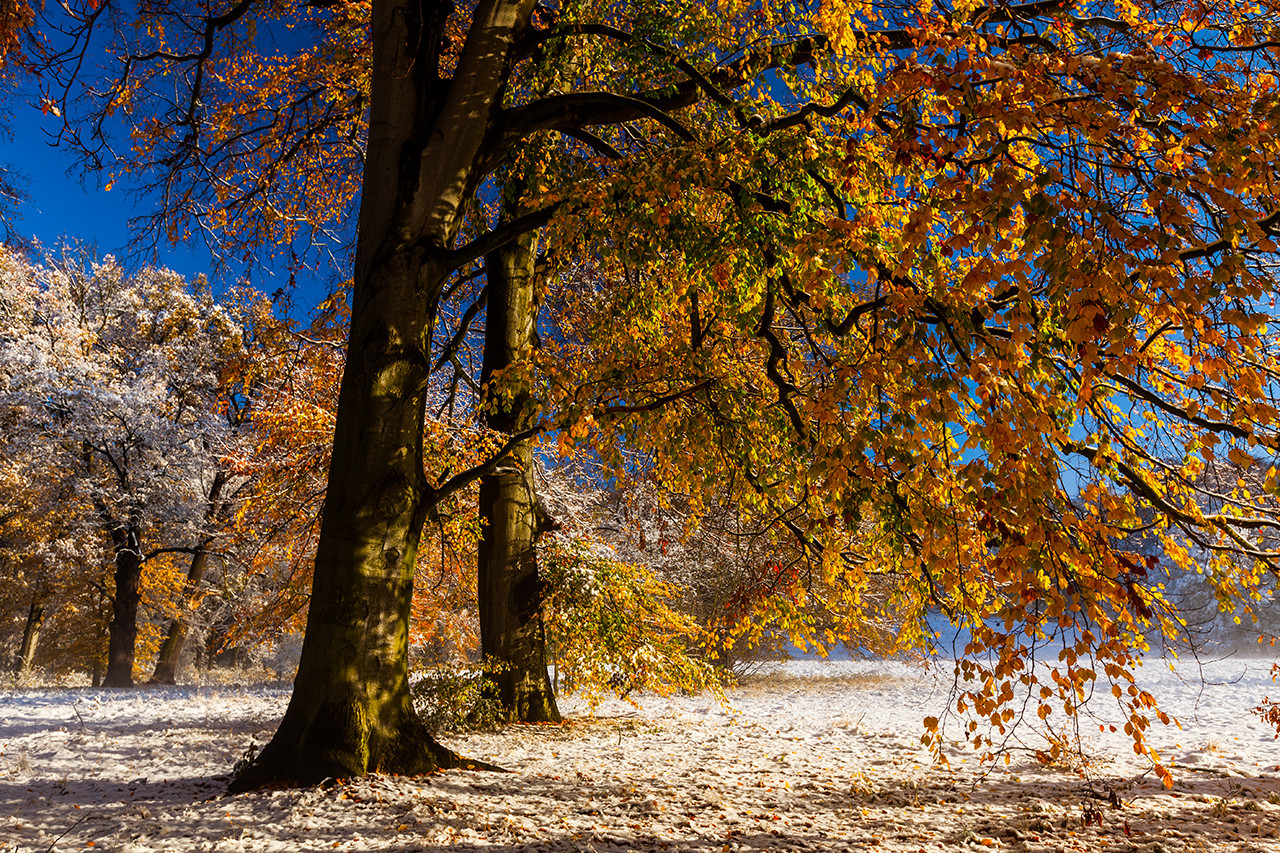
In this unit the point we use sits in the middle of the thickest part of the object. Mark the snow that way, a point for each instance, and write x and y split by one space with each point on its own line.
811 756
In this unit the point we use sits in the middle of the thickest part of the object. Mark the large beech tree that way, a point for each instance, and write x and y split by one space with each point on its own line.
960 294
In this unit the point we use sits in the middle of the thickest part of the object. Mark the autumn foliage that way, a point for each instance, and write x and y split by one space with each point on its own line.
966 308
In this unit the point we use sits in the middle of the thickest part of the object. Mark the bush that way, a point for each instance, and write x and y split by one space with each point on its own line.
612 626
454 697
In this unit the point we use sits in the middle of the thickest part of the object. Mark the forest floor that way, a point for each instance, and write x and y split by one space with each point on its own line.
816 756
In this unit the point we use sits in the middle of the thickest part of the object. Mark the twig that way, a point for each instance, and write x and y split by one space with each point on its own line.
64 834
76 709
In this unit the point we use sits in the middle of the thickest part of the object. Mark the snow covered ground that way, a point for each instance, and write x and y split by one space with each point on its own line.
817 756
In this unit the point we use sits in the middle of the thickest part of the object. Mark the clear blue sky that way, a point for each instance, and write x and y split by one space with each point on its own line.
61 208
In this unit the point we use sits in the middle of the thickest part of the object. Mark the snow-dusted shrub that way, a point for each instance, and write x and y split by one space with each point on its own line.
454 696
612 625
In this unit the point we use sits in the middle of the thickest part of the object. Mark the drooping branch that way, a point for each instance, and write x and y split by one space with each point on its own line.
589 109
777 364
659 401
459 481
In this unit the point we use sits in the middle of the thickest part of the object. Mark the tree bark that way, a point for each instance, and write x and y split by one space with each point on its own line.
30 636
123 631
350 712
166 671
509 591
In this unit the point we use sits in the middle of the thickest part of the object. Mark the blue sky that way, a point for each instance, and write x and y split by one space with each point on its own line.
61 207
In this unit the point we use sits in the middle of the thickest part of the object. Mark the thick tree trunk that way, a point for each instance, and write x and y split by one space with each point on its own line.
510 595
123 631
350 712
30 636
510 598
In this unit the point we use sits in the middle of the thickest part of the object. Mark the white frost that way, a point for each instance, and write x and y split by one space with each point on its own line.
818 756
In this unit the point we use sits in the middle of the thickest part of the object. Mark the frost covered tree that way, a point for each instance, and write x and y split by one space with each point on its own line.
111 382
38 549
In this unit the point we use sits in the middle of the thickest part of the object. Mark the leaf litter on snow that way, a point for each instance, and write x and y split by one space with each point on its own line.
818 756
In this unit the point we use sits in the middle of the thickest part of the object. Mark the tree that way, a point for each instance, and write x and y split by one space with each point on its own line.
509 588
37 513
292 375
113 382
889 272
290 378
217 508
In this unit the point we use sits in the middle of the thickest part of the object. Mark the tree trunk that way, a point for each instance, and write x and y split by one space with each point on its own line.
350 712
510 598
166 671
510 595
30 636
123 630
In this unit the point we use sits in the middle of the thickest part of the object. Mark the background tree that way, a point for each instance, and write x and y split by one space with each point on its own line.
113 380
38 553
242 387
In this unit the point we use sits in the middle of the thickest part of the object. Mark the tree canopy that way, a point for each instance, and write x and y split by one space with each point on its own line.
963 296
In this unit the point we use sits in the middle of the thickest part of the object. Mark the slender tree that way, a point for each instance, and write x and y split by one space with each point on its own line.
512 638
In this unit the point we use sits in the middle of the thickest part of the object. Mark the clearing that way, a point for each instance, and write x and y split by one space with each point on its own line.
816 756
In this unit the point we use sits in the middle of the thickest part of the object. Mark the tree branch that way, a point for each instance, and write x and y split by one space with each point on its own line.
658 402
502 235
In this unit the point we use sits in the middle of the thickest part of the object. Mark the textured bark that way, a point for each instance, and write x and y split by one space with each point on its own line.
350 712
510 598
122 633
509 591
30 636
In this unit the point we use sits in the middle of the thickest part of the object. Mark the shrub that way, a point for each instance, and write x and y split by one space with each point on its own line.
453 697
612 626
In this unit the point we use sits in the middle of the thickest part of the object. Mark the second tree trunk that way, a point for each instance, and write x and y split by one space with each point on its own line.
509 590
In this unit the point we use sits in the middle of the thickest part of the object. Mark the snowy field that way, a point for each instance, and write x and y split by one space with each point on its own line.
817 756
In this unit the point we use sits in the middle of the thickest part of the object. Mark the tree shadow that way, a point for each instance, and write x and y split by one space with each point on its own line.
627 801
